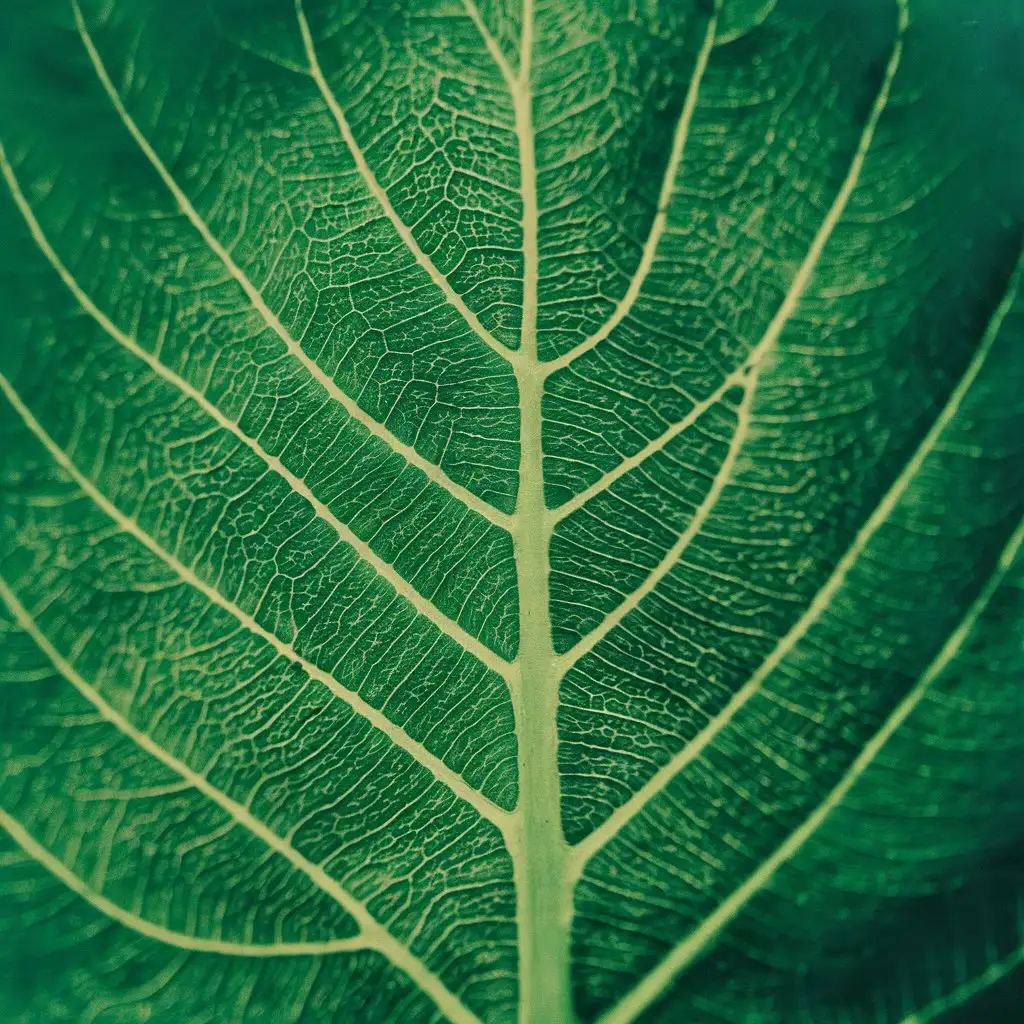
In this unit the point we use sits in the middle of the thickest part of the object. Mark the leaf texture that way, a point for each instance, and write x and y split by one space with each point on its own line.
511 510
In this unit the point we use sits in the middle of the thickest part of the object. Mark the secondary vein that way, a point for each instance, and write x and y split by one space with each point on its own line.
821 601
660 221
493 48
373 932
967 990
490 811
672 556
422 605
694 945
753 364
168 936
379 193
269 317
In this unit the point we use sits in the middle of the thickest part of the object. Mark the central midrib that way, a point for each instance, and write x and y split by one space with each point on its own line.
540 854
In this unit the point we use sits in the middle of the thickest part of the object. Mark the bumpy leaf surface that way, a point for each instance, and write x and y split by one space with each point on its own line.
511 510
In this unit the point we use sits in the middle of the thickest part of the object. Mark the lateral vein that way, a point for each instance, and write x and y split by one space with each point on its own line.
796 288
566 661
374 934
379 193
34 849
752 365
435 473
967 990
422 605
694 945
493 49
737 377
627 811
660 221
490 811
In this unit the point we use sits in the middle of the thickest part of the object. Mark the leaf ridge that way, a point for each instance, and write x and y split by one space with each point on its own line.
691 948
435 473
386 571
498 816
379 193
660 221
168 936
374 934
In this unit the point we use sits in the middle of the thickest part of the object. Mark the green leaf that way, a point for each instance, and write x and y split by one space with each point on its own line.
511 511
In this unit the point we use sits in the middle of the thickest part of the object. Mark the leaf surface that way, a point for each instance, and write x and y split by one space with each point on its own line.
511 511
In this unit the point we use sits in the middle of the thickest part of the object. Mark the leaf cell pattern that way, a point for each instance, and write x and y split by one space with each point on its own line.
511 510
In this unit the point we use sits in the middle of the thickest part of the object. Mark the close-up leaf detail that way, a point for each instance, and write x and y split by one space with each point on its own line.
511 510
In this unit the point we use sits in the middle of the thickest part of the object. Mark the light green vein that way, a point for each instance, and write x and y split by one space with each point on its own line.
735 379
507 72
660 221
822 599
674 553
387 572
435 473
490 811
794 293
379 193
539 850
697 942
748 373
167 936
374 935
967 990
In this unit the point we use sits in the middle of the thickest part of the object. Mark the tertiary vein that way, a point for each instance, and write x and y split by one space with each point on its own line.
696 943
395 733
434 472
422 605
373 933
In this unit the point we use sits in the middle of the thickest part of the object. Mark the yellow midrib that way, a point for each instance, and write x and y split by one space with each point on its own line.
539 852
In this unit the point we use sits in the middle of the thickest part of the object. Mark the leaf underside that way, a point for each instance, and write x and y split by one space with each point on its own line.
511 510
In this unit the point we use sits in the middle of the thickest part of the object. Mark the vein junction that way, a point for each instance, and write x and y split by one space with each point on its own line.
546 867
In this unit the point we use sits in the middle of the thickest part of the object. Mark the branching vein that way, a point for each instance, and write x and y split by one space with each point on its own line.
435 473
395 733
672 556
375 187
38 852
695 944
790 303
425 607
627 811
660 221
373 933
967 990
